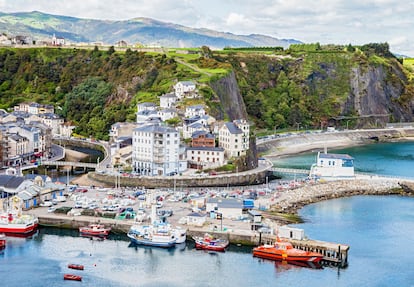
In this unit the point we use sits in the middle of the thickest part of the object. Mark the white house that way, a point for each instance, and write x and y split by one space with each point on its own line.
193 111
195 219
168 101
184 87
155 150
189 130
333 165
205 157
166 114
234 138
145 115
147 106
53 121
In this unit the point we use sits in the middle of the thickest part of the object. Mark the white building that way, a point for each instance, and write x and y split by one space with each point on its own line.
53 121
193 111
184 87
166 114
147 106
155 150
234 138
333 165
144 116
205 157
168 101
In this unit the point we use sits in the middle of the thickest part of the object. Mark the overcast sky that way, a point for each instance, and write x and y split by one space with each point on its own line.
324 21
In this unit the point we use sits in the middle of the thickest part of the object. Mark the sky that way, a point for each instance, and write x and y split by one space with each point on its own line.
354 22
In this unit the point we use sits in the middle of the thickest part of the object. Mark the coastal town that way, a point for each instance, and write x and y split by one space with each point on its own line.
248 215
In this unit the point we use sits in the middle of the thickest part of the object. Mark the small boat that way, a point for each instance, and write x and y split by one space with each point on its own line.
72 277
283 250
76 266
2 241
11 223
94 230
208 242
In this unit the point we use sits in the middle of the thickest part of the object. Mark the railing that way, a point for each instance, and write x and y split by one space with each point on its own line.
70 163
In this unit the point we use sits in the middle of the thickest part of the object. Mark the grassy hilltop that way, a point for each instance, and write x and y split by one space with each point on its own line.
303 86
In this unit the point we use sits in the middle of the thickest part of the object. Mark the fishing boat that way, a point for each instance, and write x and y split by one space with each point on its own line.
14 222
72 277
94 230
158 235
284 250
209 242
76 266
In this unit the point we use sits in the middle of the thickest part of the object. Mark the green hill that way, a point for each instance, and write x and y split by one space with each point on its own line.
306 86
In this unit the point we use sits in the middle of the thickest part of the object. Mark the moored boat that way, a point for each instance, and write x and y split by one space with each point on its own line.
159 235
11 223
76 266
208 242
72 277
94 230
283 250
2 241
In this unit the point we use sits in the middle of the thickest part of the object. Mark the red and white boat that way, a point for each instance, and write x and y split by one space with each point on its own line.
208 242
72 277
283 250
14 224
94 230
2 241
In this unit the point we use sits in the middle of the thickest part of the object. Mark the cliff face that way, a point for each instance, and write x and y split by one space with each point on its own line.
313 90
232 103
376 95
233 107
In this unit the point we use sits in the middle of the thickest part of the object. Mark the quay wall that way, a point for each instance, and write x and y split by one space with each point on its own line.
252 177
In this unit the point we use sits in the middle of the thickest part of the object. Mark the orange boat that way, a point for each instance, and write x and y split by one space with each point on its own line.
72 277
283 250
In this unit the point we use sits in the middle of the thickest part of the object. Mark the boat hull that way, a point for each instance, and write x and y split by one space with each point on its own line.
209 243
72 277
148 242
287 256
16 228
94 230
76 266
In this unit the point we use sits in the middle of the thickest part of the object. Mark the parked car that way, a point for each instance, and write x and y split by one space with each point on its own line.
46 203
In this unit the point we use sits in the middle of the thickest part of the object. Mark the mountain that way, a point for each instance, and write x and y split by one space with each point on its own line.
145 31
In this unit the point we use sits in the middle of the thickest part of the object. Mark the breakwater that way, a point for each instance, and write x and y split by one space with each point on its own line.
290 201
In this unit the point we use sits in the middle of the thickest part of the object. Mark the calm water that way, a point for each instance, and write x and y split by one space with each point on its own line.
393 159
380 231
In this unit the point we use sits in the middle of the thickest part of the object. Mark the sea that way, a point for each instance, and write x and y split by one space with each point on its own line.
378 229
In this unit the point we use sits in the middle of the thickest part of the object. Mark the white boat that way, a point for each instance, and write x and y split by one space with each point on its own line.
159 235
17 224
13 222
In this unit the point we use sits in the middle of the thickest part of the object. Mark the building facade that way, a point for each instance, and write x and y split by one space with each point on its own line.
155 150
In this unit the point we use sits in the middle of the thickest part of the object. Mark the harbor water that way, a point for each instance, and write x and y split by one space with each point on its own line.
379 230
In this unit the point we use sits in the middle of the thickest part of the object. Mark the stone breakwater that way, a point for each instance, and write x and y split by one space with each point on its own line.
290 201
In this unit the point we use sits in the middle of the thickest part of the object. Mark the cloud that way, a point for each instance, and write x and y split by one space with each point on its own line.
324 21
